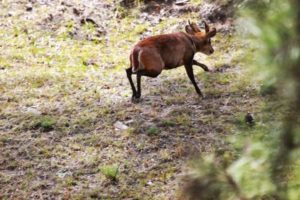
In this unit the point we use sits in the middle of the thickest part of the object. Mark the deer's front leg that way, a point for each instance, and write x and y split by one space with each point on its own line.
204 67
190 73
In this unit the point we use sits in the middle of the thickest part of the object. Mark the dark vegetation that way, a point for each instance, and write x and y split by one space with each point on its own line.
68 129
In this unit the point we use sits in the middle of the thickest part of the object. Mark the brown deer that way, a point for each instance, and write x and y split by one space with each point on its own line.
154 54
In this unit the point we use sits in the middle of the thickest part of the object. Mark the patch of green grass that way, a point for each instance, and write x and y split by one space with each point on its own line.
110 171
268 87
47 123
196 2
12 164
167 123
165 154
183 119
152 131
70 181
5 139
176 99
240 120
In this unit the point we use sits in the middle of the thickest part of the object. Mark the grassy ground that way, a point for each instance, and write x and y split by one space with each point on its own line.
61 98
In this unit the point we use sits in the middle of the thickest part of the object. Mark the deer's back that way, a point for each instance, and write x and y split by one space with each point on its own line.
175 49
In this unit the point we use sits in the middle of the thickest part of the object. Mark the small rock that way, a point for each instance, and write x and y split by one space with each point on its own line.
100 32
77 11
76 147
152 7
10 14
89 20
50 17
33 111
127 3
120 125
149 183
89 62
181 2
63 173
129 121
29 7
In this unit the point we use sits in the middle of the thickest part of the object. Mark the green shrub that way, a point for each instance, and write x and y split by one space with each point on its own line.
46 123
110 171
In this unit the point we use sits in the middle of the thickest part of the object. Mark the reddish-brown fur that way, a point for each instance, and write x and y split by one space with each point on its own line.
154 54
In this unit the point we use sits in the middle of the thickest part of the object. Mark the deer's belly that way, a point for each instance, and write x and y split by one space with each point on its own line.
174 64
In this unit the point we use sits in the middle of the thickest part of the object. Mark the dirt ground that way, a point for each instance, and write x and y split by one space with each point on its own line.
68 129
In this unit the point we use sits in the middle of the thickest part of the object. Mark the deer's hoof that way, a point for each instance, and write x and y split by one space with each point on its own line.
135 99
201 96
207 69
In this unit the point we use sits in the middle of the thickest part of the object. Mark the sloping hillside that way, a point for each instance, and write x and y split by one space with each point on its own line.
68 129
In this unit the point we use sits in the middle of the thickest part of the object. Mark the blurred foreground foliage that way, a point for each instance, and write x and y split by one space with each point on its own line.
261 162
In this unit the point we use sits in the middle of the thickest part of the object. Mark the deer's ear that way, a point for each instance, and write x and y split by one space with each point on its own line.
206 26
189 30
211 33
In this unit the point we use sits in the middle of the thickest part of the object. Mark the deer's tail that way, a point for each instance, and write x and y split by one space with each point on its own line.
135 60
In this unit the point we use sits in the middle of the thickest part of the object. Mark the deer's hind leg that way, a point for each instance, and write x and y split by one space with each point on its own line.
129 76
152 65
